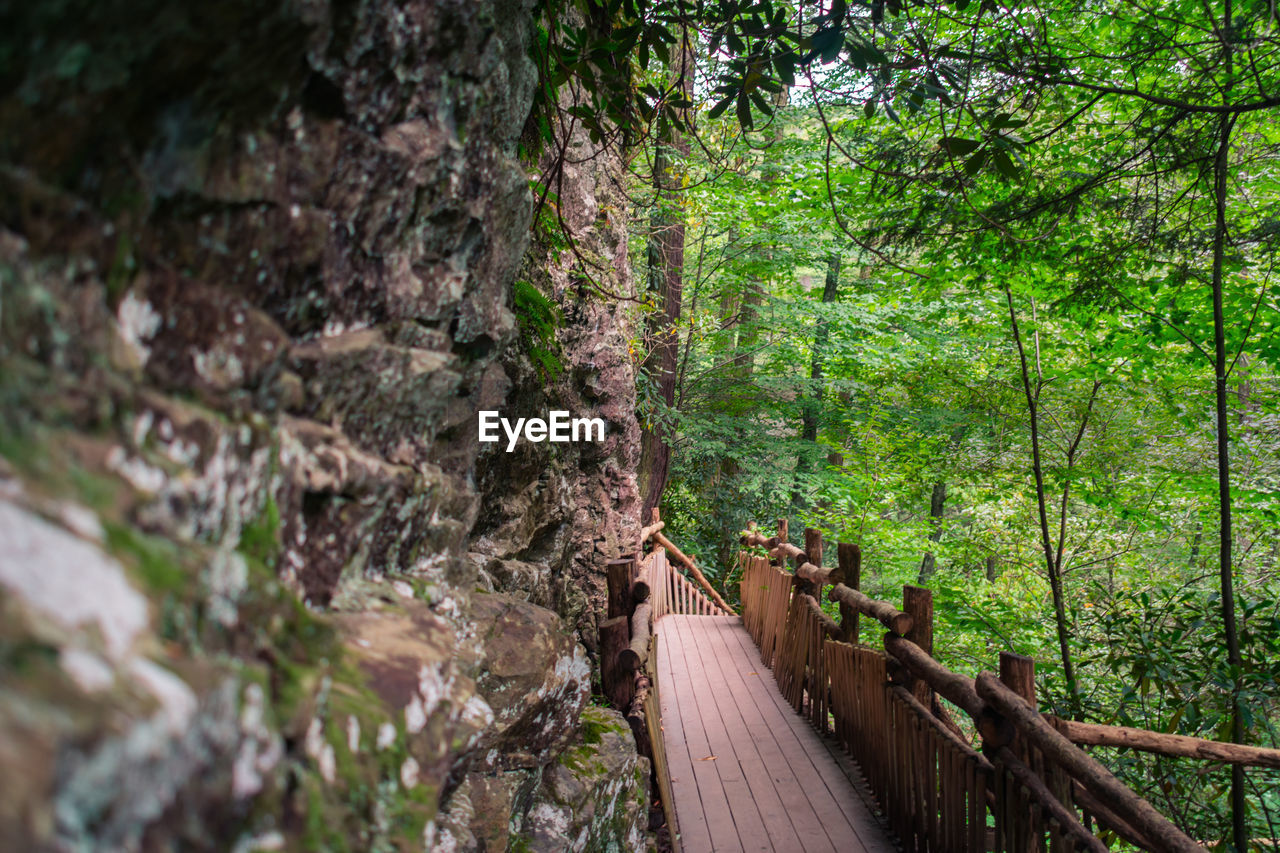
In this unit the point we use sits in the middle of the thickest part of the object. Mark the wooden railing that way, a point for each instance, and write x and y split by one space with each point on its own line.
672 591
643 588
1028 787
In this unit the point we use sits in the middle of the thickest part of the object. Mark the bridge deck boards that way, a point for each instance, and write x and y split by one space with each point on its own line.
747 773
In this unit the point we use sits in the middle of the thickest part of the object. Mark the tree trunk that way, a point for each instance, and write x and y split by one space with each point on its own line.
1226 579
729 512
811 411
1046 539
666 282
936 502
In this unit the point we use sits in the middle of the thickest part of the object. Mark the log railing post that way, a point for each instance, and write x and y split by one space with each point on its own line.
620 573
632 658
849 557
783 536
647 532
918 603
1018 673
615 680
813 556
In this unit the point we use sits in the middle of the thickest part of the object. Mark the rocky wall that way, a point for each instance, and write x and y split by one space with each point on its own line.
260 590
554 514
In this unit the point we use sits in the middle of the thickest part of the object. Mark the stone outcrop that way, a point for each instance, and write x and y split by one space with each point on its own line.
554 514
259 586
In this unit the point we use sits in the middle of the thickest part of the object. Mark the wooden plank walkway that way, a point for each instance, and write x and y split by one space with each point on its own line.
747 772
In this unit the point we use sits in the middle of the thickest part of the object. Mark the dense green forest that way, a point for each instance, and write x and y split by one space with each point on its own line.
988 289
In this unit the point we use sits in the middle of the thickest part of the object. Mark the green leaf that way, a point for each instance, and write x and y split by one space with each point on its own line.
761 104
1005 165
743 108
720 107
958 146
785 63
826 43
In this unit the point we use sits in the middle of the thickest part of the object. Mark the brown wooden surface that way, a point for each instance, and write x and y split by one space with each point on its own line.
816 575
653 723
617 683
747 773
634 656
850 557
889 616
646 532
918 603
619 577
1095 778
1018 673
1167 744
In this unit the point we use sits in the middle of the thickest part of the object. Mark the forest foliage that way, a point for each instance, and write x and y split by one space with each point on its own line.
989 289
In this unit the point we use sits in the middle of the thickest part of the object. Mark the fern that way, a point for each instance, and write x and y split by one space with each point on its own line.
538 318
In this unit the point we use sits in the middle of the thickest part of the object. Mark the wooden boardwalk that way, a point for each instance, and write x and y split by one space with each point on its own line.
747 773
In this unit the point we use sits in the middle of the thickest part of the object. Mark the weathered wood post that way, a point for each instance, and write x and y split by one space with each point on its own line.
917 602
849 557
1018 673
615 637
640 590
647 532
616 679
619 574
782 537
635 713
812 555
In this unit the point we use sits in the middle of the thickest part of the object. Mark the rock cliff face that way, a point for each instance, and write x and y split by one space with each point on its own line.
260 587
555 513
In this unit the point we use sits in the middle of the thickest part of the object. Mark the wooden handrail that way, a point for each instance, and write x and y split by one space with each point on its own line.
1095 734
775 545
890 617
938 726
805 569
633 657
1108 818
646 533
818 575
829 626
950 685
1085 839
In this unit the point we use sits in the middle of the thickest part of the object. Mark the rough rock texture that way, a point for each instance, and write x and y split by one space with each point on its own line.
554 514
256 267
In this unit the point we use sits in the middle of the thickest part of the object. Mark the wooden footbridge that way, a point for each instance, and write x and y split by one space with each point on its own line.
779 730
